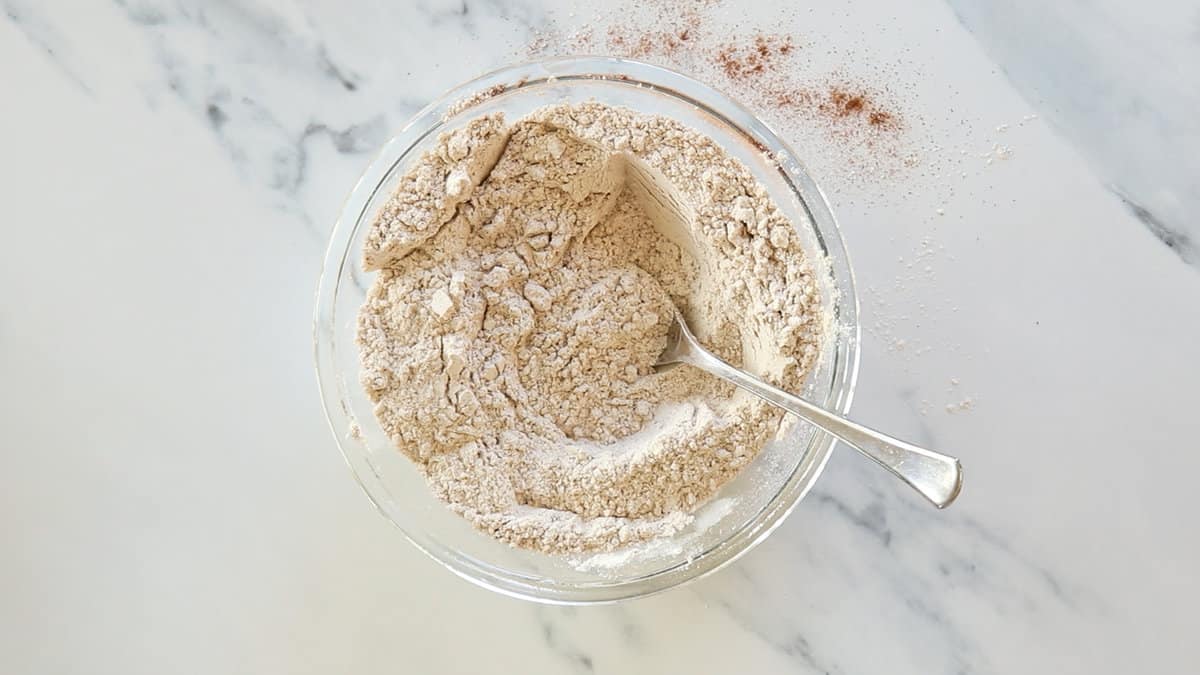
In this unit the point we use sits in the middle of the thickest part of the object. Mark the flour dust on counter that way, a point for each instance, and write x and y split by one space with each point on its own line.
858 124
858 111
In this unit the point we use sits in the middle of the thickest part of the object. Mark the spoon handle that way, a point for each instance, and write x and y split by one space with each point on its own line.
936 476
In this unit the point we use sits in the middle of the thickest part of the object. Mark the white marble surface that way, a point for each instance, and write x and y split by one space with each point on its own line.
171 501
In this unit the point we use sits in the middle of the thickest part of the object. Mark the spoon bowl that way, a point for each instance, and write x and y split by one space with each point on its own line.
937 477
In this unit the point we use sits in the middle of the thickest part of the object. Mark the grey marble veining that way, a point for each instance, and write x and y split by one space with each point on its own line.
1119 81
267 101
26 18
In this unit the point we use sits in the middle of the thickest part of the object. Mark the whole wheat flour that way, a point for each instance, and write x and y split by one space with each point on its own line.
527 275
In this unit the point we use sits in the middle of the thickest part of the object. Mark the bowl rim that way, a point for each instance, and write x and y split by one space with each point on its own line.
811 199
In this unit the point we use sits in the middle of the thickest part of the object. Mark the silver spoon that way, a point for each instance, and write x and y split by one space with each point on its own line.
936 476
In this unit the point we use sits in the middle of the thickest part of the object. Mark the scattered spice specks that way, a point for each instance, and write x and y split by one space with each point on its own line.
860 126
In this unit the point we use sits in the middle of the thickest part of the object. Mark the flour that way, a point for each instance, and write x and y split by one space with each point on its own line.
527 276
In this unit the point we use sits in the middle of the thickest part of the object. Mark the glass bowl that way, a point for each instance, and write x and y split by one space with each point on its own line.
745 510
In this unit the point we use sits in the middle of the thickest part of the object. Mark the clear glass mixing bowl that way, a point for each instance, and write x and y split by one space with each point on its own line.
747 509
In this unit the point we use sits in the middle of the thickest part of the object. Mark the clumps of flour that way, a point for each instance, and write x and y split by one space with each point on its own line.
527 275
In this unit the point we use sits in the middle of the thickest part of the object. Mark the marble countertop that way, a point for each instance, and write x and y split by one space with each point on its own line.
171 500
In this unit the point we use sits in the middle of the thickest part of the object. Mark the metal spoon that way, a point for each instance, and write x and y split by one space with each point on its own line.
936 476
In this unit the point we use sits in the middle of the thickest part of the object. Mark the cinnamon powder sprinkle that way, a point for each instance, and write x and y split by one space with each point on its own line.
840 104
762 66
769 71
740 60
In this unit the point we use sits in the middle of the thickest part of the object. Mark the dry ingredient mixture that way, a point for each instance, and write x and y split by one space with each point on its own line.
527 275
877 128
